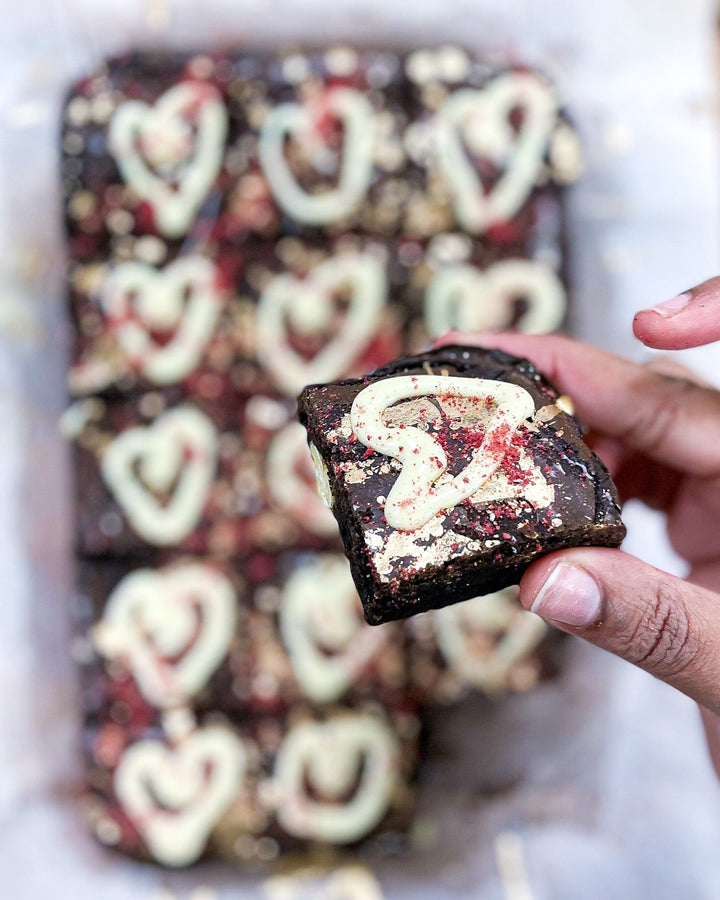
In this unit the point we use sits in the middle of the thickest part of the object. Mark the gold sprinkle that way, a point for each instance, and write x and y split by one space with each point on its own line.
546 413
82 204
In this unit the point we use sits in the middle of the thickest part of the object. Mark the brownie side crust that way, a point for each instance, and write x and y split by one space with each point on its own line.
476 547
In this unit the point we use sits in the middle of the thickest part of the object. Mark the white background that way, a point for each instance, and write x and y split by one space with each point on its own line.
604 771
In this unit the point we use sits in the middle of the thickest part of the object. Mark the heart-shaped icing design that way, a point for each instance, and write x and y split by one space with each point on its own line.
184 298
174 796
287 458
499 616
177 455
462 298
349 882
170 153
170 628
308 307
328 641
320 763
422 488
479 121
291 120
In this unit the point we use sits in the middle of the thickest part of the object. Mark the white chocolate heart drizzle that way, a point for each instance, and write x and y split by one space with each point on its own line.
461 297
171 153
497 615
309 307
354 752
171 628
422 488
327 640
285 458
355 112
175 795
176 454
159 305
480 120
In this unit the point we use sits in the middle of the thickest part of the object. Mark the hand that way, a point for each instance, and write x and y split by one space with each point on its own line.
657 428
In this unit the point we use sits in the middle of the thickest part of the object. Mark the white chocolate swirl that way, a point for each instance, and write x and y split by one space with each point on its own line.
137 300
287 456
309 307
422 488
461 297
328 641
479 120
499 618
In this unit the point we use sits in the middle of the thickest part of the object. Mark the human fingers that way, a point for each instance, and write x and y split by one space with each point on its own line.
665 625
689 320
672 420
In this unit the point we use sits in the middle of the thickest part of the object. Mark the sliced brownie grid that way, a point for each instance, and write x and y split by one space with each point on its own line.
240 225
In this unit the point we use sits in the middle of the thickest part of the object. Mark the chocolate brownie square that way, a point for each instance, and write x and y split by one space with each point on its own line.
324 142
144 140
305 642
449 473
455 283
486 142
318 310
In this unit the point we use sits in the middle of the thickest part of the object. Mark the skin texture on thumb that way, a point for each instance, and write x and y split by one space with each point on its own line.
664 625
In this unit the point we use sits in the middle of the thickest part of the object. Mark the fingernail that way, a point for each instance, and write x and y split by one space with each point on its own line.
570 596
672 307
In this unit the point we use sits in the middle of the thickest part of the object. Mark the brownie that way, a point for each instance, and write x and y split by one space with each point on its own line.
489 645
416 545
487 141
324 142
453 282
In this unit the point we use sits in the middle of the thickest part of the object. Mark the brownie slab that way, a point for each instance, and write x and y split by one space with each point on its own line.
451 474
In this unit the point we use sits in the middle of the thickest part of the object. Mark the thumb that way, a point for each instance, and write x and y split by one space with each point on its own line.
652 619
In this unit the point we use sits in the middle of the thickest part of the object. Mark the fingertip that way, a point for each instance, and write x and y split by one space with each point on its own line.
656 331
688 320
640 325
